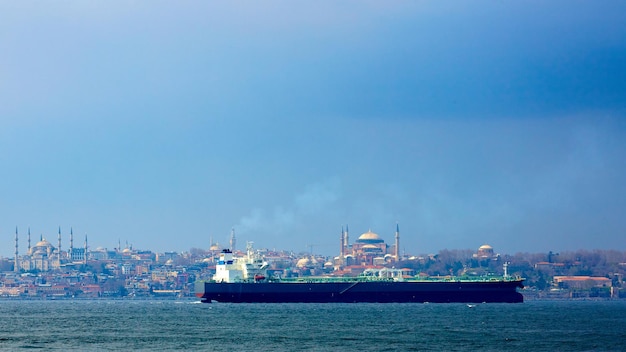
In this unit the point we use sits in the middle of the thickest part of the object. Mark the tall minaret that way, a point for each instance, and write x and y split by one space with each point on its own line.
28 240
16 266
343 247
346 240
233 240
397 242
59 249
85 259
70 255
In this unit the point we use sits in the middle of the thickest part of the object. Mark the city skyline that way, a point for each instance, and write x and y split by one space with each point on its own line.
166 125
26 241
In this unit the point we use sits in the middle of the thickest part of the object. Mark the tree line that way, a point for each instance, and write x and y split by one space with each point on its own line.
537 268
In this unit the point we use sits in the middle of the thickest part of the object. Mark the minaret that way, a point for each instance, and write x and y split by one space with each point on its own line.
343 247
70 255
397 242
28 240
16 267
85 259
59 249
346 241
233 240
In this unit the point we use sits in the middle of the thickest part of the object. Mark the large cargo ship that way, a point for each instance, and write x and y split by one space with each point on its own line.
239 280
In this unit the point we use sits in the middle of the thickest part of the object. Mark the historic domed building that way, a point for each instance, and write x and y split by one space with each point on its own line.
368 249
368 246
43 256
484 251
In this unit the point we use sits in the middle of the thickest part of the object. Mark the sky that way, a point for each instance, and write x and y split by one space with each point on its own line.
165 125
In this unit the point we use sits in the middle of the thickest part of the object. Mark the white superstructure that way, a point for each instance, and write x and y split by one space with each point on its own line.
251 267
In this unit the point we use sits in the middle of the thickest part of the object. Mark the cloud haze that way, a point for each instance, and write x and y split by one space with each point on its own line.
167 125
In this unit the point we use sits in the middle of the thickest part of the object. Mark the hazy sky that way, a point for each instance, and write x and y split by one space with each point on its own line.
165 124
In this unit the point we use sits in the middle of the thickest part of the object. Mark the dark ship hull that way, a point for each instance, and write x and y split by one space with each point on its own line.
501 291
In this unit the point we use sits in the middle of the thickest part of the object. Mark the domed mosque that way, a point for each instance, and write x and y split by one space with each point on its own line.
44 256
368 249
42 247
484 251
369 244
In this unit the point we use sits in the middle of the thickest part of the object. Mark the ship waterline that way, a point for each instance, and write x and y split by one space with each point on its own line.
501 291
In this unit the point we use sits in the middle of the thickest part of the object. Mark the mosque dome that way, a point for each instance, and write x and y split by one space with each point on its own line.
370 237
484 251
41 247
43 243
303 262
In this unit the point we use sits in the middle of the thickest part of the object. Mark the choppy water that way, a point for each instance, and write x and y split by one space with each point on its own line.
185 325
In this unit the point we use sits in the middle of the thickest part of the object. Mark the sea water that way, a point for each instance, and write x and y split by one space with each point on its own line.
125 325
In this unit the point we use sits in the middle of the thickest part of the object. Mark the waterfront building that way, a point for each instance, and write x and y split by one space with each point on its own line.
581 282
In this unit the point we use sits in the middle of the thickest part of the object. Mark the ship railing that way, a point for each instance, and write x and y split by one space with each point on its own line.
384 273
467 278
365 278
336 279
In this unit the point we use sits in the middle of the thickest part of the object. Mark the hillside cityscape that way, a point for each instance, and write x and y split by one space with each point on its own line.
46 271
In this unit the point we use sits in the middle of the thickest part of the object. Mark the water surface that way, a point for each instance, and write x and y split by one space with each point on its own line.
96 325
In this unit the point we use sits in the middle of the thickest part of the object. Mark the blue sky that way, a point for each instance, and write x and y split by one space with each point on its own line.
165 125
